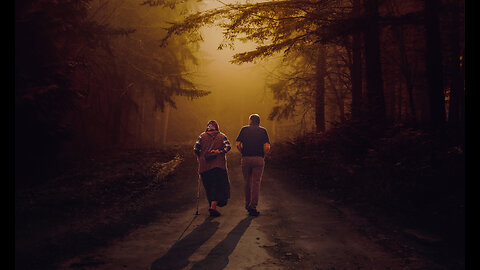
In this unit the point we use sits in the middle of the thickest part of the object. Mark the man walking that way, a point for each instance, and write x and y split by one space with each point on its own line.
253 143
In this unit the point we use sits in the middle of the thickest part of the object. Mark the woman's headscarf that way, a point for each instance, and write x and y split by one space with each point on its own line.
212 125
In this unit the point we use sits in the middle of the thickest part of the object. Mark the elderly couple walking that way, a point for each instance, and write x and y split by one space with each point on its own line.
211 148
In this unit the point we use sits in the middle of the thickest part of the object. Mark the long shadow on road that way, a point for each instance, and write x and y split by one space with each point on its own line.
177 257
218 256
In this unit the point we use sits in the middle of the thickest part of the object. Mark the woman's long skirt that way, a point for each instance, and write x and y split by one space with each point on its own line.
217 186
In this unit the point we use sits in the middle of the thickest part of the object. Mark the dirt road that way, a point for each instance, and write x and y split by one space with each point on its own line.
295 230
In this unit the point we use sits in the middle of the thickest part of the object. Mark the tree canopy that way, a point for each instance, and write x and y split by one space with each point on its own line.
276 26
362 31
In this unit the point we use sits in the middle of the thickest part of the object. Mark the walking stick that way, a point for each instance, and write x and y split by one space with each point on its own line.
198 193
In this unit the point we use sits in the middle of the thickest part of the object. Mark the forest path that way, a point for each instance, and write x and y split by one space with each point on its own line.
295 230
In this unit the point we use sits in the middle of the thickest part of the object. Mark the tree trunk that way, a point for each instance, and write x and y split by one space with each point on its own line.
320 90
406 69
165 124
455 113
339 98
274 130
356 68
398 90
434 65
374 80
142 133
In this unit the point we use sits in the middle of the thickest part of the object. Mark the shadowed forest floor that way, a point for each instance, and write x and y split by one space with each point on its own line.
314 216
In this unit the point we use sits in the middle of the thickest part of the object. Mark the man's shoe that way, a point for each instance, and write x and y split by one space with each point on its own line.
214 213
253 212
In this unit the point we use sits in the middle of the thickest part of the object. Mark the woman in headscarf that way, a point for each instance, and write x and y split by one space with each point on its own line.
211 148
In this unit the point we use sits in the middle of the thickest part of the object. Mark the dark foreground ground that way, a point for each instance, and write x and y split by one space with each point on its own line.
94 200
100 203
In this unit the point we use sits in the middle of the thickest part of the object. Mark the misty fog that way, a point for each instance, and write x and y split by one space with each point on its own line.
236 92
363 102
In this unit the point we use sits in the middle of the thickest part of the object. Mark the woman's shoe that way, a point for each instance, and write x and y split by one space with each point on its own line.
214 213
253 212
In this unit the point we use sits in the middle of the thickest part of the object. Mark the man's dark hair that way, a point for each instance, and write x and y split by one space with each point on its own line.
255 119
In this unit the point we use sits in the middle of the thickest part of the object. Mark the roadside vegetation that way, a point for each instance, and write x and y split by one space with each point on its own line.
89 202
403 175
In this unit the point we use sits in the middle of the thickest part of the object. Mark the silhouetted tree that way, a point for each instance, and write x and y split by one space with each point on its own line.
374 77
456 67
434 64
277 26
48 38
83 78
398 50
356 66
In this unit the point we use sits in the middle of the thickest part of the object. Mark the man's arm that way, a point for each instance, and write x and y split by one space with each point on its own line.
239 146
266 145
238 141
266 148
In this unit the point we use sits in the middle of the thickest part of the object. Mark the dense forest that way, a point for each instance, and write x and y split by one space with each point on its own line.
364 97
97 75
90 74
